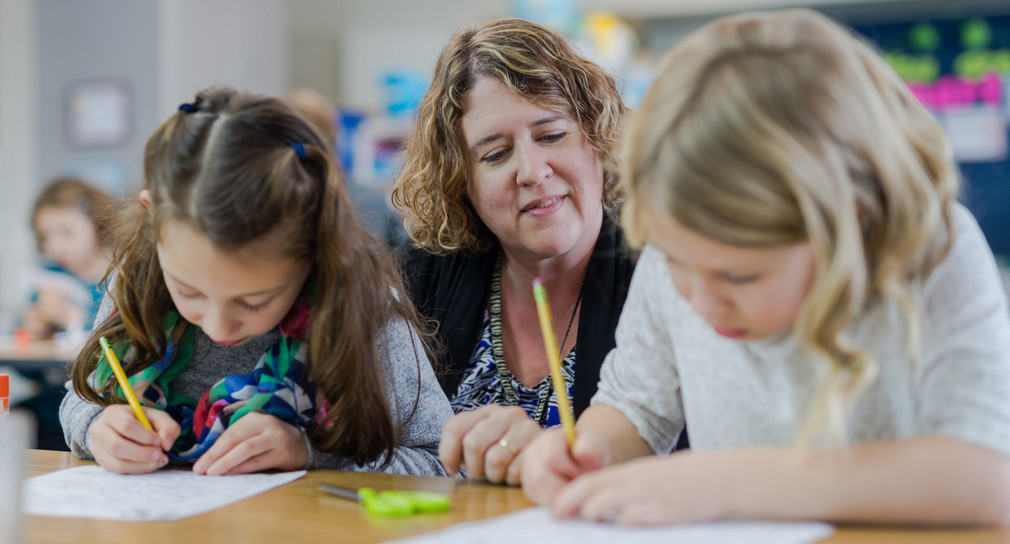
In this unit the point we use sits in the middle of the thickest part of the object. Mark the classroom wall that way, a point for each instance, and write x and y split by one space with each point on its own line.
97 40
239 43
162 51
18 62
692 8
342 48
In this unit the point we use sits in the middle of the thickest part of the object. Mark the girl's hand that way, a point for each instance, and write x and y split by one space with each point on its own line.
488 442
120 443
683 487
256 442
549 465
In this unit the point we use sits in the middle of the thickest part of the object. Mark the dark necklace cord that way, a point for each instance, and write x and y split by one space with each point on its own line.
498 352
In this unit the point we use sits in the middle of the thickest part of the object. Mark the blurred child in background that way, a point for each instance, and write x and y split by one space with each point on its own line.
371 201
70 222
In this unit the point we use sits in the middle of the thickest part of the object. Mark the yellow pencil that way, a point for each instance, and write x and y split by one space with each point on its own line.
554 359
124 383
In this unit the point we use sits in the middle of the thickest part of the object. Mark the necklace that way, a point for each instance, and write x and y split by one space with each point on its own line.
498 353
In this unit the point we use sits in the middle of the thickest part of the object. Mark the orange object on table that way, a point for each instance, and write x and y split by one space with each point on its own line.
5 392
21 337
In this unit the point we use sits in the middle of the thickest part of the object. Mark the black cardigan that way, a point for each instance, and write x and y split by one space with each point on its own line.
453 291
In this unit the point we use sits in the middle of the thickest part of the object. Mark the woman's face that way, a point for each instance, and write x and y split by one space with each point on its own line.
68 238
534 179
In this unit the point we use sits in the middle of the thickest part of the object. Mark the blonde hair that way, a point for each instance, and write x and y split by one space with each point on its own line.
541 68
769 129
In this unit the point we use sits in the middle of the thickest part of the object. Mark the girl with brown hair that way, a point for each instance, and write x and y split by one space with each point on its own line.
260 324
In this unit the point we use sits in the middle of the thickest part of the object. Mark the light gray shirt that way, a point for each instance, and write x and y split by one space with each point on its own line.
409 381
669 366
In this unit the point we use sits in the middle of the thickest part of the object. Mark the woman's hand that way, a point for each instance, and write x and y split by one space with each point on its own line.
549 465
121 443
488 442
256 442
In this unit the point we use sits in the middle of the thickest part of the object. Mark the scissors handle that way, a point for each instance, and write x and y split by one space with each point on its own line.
402 503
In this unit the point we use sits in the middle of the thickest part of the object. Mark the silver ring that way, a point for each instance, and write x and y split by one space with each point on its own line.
505 444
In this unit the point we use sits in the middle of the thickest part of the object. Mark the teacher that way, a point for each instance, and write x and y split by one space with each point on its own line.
510 176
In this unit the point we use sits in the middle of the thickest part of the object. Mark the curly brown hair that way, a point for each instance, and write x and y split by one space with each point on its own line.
539 66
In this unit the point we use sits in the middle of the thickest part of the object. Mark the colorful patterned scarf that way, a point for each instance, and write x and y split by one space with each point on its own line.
277 386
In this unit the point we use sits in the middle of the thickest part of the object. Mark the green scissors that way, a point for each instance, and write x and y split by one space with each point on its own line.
392 503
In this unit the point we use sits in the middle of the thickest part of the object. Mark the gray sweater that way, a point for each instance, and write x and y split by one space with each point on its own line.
402 357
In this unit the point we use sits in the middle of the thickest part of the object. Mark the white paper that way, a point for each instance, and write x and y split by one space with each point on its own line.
536 525
164 495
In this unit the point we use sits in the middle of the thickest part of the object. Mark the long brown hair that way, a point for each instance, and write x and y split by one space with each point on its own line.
228 170
769 129
540 67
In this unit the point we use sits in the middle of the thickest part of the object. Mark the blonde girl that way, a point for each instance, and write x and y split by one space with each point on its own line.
260 324
812 302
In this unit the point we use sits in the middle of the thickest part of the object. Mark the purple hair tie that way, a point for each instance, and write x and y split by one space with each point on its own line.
299 149
188 108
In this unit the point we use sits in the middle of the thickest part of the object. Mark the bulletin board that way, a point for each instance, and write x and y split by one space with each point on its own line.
960 68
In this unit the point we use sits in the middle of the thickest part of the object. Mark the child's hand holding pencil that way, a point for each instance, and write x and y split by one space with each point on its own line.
124 383
568 456
127 438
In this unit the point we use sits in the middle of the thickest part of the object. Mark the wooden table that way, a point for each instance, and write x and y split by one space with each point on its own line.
298 512
46 363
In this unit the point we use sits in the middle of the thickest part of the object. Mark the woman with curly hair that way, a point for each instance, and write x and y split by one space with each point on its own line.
509 177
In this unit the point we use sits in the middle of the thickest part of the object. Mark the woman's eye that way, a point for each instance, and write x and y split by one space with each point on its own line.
738 280
494 157
555 137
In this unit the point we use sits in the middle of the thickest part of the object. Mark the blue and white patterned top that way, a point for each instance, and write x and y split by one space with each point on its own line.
482 385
